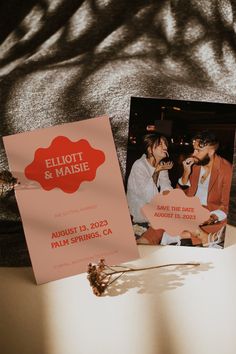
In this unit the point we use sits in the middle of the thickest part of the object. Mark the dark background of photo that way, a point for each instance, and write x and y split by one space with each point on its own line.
179 121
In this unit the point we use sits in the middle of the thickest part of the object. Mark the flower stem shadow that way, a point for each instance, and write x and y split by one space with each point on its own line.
116 280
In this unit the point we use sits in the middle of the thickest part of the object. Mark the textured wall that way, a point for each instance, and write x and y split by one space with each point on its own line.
65 60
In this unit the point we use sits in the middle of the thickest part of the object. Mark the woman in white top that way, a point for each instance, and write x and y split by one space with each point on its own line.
148 176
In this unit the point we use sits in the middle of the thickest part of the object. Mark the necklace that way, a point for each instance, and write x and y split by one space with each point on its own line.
204 176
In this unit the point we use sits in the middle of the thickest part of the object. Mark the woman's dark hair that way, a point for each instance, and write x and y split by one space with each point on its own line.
152 140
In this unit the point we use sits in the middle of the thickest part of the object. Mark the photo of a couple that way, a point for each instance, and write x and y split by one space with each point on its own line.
195 158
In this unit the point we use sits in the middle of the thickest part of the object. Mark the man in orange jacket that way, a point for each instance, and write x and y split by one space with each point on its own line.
208 176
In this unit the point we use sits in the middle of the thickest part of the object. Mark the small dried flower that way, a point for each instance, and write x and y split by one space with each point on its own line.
101 275
98 278
7 182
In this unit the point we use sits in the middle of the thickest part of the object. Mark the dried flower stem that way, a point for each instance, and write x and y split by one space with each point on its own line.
101 275
152 267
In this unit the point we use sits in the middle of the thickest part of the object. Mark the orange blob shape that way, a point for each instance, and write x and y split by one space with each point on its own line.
65 164
175 212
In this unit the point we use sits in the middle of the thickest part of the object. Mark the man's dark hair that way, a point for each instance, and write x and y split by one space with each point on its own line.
207 137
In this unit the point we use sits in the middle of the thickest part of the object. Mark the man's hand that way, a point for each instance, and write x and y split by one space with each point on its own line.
187 164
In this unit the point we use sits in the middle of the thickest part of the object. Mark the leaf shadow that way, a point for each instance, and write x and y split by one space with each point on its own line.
156 281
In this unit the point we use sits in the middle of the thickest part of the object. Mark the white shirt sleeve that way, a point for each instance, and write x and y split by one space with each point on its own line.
181 183
164 181
140 182
140 188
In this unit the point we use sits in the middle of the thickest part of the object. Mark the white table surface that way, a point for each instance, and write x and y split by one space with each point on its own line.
165 311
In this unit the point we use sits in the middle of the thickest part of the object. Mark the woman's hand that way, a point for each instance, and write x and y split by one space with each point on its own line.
164 166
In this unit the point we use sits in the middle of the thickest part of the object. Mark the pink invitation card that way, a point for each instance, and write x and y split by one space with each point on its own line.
71 197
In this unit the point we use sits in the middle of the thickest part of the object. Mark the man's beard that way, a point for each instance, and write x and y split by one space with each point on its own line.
204 161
